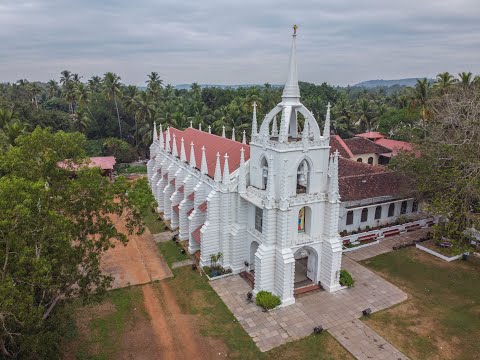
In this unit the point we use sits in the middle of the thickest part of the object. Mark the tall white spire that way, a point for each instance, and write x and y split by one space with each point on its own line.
271 181
200 126
226 170
242 180
223 130
174 146
291 91
183 155
162 143
218 172
244 137
204 166
233 133
191 123
326 127
155 135
209 129
193 162
333 192
167 140
275 127
254 120
305 134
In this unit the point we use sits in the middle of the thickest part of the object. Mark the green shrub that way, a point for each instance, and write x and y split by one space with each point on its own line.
267 300
346 279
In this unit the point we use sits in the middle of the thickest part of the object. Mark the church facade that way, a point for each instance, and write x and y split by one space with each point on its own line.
271 207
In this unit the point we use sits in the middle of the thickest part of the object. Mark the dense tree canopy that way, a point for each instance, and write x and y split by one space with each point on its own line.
54 225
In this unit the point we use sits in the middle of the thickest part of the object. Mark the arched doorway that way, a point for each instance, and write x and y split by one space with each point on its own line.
306 260
253 250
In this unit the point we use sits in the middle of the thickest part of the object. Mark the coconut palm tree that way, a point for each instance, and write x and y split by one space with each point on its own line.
466 79
365 114
144 109
342 117
444 82
83 98
12 130
95 84
7 116
112 88
65 77
52 89
420 98
34 89
69 93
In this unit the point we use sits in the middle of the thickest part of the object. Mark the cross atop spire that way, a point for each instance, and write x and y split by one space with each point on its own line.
326 127
291 91
193 162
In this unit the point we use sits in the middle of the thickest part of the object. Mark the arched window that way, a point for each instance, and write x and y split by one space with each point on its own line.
350 217
359 160
264 167
364 216
370 160
303 177
403 208
415 206
378 212
391 210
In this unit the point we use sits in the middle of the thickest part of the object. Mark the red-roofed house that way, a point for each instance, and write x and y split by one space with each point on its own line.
106 163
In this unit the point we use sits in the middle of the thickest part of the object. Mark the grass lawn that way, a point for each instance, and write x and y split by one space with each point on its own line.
101 326
151 220
172 252
131 169
441 318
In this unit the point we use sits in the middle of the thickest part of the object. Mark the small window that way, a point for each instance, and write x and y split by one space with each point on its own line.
258 219
415 206
364 215
370 160
350 217
391 210
301 220
378 212
359 160
403 208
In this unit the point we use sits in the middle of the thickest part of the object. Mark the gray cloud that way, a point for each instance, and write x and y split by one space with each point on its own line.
340 42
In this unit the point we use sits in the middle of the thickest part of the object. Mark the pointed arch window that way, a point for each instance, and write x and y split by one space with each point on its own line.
403 208
303 177
391 210
370 160
378 212
349 218
364 216
264 167
415 206
359 160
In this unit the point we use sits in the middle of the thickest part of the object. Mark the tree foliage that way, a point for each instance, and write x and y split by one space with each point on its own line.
54 227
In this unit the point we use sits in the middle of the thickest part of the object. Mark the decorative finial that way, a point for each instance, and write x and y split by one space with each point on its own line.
295 27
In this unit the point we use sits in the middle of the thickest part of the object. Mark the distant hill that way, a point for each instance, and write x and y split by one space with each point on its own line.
369 84
188 86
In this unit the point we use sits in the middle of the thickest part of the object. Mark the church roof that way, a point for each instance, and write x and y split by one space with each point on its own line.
337 143
395 145
358 181
213 144
359 146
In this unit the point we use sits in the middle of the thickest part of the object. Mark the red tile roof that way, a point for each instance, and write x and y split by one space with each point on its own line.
190 211
372 135
203 206
337 143
358 181
213 144
181 188
103 162
196 234
359 146
191 197
176 208
395 145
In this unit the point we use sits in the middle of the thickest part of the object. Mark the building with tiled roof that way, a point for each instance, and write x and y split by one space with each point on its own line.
272 203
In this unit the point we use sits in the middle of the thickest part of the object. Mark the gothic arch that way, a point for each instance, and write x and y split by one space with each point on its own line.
311 264
304 185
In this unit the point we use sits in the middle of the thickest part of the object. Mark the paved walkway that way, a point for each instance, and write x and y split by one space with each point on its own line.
183 263
164 236
385 245
364 343
271 329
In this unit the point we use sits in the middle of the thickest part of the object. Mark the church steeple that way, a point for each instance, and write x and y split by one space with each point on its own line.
254 120
193 162
155 136
161 137
326 128
291 91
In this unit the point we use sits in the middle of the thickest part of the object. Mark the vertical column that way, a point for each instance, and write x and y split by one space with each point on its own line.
265 256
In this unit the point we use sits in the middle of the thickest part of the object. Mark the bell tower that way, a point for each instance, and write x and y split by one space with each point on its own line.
292 186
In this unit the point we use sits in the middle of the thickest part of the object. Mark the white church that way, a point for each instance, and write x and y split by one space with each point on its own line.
271 207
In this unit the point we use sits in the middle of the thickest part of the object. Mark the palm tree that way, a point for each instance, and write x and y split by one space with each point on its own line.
65 77
76 78
111 85
7 116
52 88
95 84
466 79
444 81
342 118
421 96
70 95
34 89
365 114
83 97
80 121
144 109
12 130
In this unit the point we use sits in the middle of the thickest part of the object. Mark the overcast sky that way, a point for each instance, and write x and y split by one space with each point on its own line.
238 42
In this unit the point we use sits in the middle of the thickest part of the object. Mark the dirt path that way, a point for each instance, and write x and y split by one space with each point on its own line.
177 334
139 262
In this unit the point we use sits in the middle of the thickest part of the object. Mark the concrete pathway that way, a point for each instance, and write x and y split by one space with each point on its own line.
183 263
164 236
364 343
386 245
271 329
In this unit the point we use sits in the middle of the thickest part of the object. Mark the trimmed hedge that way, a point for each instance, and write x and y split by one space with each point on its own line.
346 279
267 300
